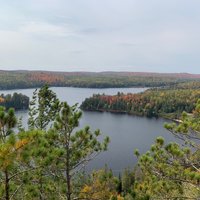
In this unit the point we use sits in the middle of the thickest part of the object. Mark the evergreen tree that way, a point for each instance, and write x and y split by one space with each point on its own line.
60 152
172 171
43 108
78 147
12 146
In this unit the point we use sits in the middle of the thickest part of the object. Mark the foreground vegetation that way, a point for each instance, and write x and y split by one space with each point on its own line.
42 162
172 171
34 79
47 160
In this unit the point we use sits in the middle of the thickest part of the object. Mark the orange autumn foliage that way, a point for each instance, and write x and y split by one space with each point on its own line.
2 100
49 78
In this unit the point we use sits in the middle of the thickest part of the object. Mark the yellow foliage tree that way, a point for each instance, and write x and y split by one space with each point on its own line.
101 187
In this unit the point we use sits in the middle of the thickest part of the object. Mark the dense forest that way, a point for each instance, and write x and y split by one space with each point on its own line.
32 79
46 162
16 101
167 103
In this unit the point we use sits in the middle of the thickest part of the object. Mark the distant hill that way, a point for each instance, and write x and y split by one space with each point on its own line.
29 79
153 74
105 73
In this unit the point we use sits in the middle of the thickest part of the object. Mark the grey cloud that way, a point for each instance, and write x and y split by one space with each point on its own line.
101 35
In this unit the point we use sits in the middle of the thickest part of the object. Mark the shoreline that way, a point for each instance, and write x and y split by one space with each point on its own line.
163 116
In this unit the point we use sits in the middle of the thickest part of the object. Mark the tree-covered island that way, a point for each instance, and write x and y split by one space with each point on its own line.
16 101
165 102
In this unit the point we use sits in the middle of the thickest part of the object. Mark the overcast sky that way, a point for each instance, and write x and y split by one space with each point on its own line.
100 35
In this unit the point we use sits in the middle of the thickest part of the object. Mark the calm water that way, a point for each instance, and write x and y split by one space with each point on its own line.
126 132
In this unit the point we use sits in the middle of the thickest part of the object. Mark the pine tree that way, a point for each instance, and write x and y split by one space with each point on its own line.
172 170
43 108
11 148
78 146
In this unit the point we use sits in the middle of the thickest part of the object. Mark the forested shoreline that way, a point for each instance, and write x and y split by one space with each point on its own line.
35 79
167 103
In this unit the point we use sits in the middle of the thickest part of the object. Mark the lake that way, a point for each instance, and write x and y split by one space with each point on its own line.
125 131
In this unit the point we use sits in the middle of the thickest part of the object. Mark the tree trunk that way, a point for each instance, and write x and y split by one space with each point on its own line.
68 188
41 186
7 185
68 177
